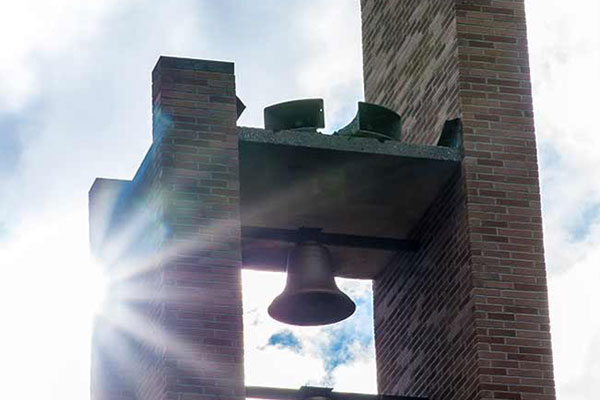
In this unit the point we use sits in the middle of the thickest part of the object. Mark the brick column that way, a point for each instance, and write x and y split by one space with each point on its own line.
172 236
467 316
197 153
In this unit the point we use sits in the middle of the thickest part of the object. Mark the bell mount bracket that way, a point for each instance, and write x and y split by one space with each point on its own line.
333 239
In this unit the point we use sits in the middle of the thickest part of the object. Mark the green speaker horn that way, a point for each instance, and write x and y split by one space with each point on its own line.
305 114
373 121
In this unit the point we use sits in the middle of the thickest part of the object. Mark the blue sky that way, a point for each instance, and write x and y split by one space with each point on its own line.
75 104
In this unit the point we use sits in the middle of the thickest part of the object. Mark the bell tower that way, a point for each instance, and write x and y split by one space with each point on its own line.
431 191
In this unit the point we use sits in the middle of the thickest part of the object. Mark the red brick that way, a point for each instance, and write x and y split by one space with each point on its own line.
500 227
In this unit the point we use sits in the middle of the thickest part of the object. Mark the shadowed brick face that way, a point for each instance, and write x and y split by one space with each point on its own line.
410 63
424 329
467 316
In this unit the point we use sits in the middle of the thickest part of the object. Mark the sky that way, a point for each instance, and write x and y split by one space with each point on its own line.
75 105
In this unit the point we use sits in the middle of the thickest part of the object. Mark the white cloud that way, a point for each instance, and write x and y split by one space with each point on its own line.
565 57
333 69
576 326
46 308
358 376
81 94
280 366
31 28
564 42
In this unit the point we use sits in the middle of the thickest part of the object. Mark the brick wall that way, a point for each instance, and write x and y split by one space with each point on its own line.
496 222
184 201
511 294
410 63
197 145
424 328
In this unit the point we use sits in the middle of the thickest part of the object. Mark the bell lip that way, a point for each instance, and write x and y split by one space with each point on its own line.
349 306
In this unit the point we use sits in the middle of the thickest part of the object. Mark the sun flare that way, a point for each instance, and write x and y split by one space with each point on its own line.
96 283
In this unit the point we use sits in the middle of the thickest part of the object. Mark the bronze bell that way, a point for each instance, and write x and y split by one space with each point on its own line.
311 296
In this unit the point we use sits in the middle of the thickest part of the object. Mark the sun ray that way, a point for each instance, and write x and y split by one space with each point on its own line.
135 257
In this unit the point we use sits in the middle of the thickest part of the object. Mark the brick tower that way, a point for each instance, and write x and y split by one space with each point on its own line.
461 308
467 316
182 333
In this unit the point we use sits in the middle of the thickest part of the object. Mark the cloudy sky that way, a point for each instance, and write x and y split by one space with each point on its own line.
75 104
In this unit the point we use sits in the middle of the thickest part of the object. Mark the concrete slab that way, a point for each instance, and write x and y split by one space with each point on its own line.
346 185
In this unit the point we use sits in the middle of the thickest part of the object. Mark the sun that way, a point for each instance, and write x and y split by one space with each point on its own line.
96 283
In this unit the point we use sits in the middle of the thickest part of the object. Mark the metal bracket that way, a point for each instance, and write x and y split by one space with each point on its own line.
451 134
311 392
333 239
240 106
